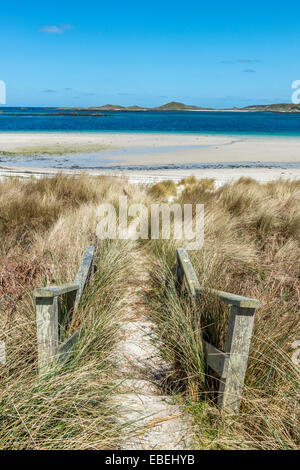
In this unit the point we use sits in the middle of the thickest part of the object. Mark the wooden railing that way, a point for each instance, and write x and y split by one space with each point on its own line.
230 365
53 315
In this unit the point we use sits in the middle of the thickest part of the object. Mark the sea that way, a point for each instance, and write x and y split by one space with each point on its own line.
217 122
235 123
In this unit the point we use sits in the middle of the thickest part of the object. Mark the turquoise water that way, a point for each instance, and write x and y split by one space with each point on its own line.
235 123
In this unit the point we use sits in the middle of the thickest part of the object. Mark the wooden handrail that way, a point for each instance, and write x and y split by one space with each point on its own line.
230 365
194 287
55 291
84 271
47 314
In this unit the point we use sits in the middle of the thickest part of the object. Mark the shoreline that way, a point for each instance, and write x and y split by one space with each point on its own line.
206 133
146 149
221 176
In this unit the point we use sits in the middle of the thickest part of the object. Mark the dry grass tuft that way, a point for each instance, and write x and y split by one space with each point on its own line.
163 190
33 206
188 181
197 192
252 248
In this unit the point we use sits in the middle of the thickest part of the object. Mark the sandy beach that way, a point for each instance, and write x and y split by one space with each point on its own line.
164 148
153 149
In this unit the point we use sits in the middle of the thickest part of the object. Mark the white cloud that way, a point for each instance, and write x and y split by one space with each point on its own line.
55 29
240 61
248 61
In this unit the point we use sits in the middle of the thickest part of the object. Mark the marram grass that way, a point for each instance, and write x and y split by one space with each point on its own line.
252 248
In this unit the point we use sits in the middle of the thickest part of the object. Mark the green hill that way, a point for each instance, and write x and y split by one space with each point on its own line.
136 108
112 107
275 108
176 106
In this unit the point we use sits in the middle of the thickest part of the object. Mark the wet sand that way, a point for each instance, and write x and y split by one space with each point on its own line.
147 150
164 148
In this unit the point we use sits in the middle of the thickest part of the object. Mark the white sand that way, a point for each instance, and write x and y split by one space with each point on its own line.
133 148
221 176
165 148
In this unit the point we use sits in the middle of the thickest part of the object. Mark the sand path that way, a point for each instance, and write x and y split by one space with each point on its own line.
156 422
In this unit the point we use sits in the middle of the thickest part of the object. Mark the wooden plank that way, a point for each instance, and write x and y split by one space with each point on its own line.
54 291
2 353
65 313
216 359
233 299
237 347
47 330
65 349
186 269
184 264
84 271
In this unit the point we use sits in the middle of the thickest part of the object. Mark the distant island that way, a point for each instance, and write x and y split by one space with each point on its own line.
71 113
176 106
97 111
275 108
172 106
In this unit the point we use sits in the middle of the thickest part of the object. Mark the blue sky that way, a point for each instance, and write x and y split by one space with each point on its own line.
147 53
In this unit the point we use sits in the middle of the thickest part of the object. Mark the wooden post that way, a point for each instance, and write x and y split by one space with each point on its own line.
237 348
84 272
47 314
230 366
47 329
185 272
